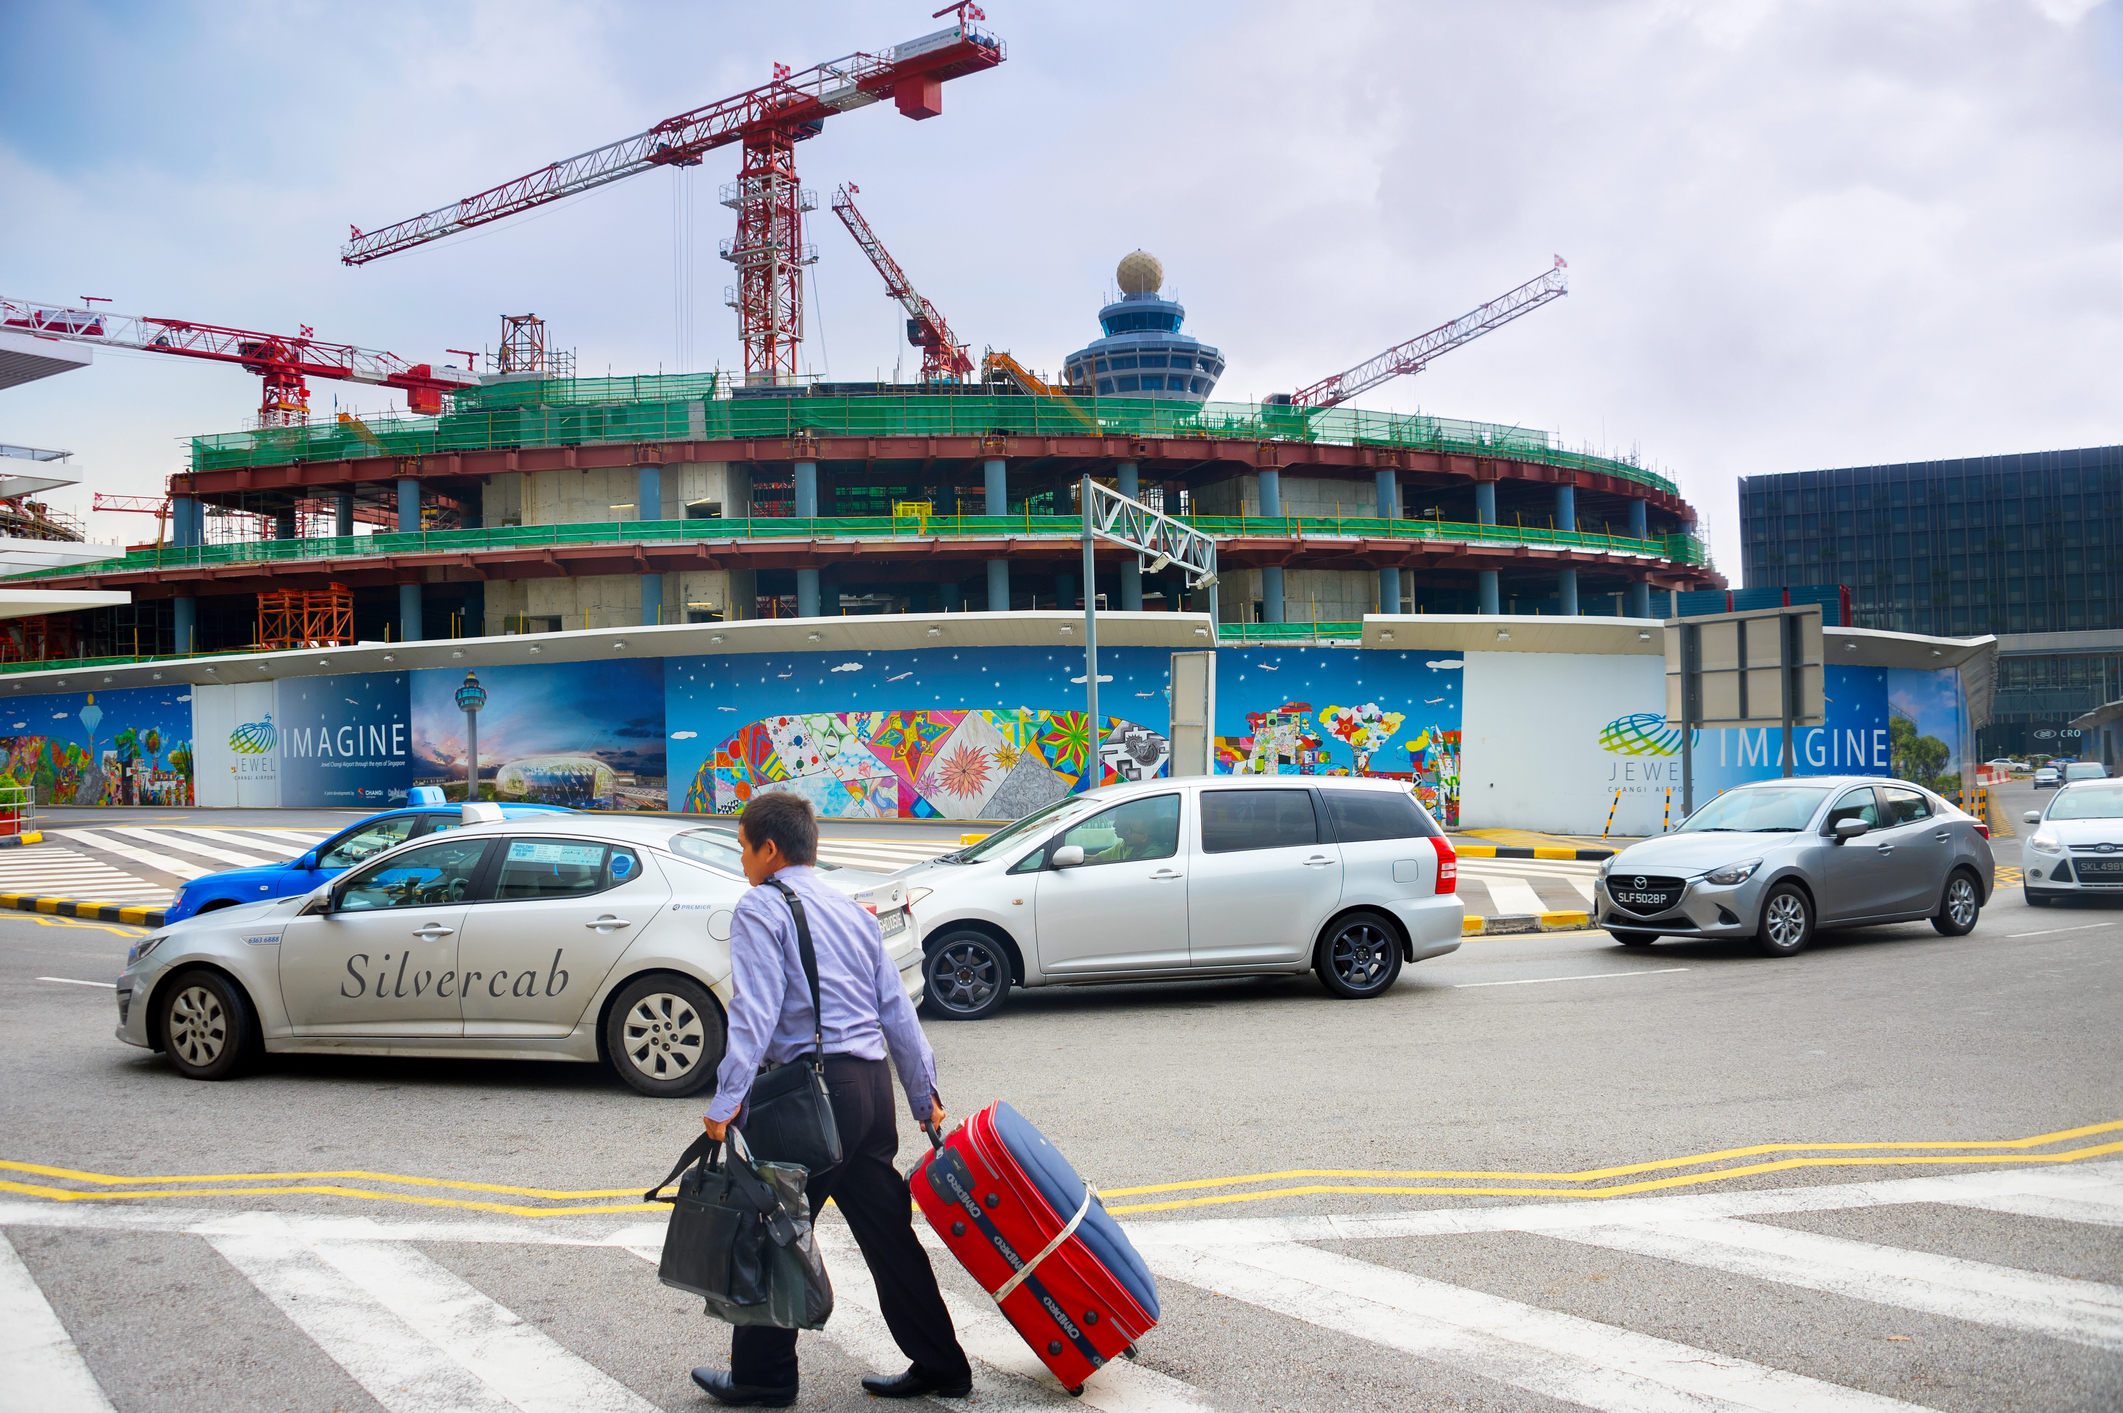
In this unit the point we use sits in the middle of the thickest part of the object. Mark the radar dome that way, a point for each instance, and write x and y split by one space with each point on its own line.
1139 273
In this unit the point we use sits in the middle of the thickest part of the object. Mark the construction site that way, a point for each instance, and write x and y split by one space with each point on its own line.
520 499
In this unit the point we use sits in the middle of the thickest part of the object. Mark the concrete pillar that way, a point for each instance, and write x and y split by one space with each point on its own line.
1389 495
1065 591
1636 603
343 515
1566 580
648 505
187 624
807 591
409 613
184 512
652 600
1131 571
1389 591
408 505
996 472
1485 502
1639 526
1271 482
1486 582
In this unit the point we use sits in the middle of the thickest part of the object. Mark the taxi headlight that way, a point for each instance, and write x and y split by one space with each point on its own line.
1732 873
2046 843
915 895
143 947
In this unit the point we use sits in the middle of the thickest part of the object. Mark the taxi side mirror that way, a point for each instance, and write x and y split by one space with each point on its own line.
307 861
1067 856
1849 829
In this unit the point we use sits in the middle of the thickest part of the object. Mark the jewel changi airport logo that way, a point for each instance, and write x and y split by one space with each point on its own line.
254 738
1642 734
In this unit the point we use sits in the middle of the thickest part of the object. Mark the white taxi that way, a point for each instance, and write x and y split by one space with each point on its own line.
563 937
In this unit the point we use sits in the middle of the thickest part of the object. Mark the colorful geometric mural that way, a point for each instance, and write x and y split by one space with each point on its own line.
933 764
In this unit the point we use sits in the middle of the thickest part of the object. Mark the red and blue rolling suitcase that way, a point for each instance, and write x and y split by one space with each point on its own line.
1038 1240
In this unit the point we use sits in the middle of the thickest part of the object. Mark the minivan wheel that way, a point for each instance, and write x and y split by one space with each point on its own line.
664 1036
966 976
1359 957
1959 907
205 1025
1787 922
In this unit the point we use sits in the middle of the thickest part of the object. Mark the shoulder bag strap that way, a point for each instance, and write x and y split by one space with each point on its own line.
809 955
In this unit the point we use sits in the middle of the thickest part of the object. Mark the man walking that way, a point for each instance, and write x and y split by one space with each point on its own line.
864 1013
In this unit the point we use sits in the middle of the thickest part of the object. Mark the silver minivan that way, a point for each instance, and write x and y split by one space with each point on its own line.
1167 880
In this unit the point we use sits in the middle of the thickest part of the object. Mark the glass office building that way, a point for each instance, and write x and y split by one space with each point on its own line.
2026 547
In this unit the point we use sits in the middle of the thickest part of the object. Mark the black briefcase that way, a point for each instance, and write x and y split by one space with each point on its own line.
789 1113
740 1238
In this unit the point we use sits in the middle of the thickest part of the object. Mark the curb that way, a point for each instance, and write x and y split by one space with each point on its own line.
1507 851
16 841
1524 922
74 907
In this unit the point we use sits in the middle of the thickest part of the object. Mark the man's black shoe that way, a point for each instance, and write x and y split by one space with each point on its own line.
916 1382
717 1384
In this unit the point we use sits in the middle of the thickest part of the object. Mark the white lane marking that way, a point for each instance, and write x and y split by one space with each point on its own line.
70 981
45 1372
161 863
2057 1209
389 1286
176 839
1561 1356
2084 1312
2053 931
391 1358
1588 976
1509 895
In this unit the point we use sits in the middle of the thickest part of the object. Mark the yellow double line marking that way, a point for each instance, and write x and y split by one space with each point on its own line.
1259 1187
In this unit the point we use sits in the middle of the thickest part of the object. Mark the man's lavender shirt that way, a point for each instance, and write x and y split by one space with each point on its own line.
866 1008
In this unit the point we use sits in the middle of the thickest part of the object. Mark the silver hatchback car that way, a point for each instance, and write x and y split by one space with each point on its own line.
1773 860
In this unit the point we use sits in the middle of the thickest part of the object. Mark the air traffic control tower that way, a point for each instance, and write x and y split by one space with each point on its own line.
1143 353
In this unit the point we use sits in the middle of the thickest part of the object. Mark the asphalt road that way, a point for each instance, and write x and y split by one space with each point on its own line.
1483 1081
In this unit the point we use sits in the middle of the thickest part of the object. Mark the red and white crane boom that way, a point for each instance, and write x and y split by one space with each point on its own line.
943 357
768 249
283 362
1416 354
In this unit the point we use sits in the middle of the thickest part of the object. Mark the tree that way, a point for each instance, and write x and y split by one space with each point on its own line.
1914 757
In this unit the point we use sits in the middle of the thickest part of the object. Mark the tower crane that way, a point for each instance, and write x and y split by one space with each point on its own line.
943 358
284 363
769 121
1416 354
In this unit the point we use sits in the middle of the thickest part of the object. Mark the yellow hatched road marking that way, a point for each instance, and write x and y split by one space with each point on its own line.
333 1184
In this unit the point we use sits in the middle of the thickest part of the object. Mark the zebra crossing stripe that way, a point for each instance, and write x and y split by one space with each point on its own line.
45 1372
1559 1356
418 1337
2083 1312
160 863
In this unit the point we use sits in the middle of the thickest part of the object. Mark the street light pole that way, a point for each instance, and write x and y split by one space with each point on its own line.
471 697
1090 629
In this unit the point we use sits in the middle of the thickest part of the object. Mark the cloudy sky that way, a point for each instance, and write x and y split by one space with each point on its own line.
1801 233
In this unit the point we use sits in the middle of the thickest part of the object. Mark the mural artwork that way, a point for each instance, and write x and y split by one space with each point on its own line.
1383 714
132 746
935 744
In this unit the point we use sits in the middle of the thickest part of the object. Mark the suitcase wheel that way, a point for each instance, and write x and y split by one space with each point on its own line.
1077 1392
1129 1352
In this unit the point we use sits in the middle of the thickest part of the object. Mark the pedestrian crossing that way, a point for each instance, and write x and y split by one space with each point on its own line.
386 1303
143 864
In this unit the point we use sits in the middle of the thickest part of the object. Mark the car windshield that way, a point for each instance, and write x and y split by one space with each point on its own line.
1069 805
1760 809
2082 803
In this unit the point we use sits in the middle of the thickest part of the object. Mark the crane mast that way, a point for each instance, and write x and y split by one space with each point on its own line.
285 363
768 121
943 357
1416 354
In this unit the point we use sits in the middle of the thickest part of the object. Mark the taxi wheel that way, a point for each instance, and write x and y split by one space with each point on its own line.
1959 907
664 1036
966 976
1787 922
205 1025
1359 957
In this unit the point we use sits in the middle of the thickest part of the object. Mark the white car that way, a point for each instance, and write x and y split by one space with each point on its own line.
560 937
1170 880
2046 775
2076 849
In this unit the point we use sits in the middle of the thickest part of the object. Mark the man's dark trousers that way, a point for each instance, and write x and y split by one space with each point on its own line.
873 1197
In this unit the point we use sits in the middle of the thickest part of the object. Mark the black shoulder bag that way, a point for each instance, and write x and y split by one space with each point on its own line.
740 1238
789 1115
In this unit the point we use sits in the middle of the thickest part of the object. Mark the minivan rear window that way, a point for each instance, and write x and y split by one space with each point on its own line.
1257 819
1359 816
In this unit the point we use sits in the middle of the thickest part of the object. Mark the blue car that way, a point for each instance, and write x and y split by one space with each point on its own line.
427 814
